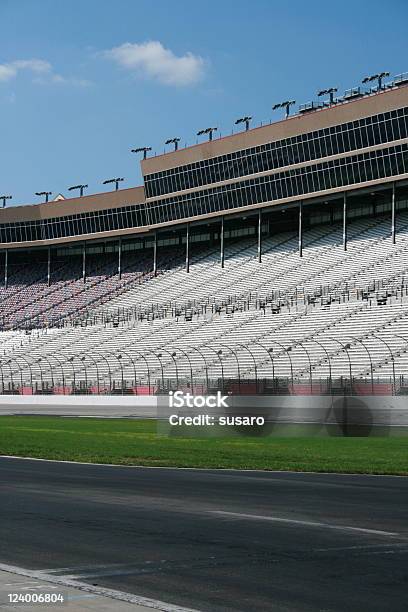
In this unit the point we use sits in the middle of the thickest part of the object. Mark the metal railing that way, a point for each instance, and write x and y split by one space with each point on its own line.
225 369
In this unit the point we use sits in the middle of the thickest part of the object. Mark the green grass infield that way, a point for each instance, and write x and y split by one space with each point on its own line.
136 442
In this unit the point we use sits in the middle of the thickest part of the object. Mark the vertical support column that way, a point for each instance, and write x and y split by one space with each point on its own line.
300 230
345 221
260 236
393 214
120 258
84 262
155 254
188 248
6 269
222 253
49 267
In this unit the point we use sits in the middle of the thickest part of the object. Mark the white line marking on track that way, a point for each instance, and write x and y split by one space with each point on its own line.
398 546
257 517
83 568
155 604
108 572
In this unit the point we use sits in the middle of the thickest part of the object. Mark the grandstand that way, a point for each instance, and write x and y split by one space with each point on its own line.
271 261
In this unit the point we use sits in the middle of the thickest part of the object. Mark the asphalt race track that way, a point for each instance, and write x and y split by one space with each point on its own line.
212 541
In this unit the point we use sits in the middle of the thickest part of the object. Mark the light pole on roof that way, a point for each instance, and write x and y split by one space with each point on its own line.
376 77
208 131
80 187
114 180
330 91
4 198
174 141
143 150
46 194
245 120
286 104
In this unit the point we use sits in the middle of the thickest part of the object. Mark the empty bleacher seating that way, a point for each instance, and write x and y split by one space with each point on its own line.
305 320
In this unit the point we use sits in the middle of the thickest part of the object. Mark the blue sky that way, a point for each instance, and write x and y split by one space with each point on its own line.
84 81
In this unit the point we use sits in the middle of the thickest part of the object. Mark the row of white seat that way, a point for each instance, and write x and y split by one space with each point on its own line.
318 335
320 339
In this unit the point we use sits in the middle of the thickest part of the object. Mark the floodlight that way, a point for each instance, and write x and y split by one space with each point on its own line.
286 104
376 77
208 131
330 91
44 193
143 150
245 120
114 180
174 141
80 187
4 198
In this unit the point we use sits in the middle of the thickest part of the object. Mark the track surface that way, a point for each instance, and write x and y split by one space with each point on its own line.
312 541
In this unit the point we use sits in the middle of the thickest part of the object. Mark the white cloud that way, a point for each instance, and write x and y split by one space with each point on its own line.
34 65
7 72
10 70
155 61
41 70
62 80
